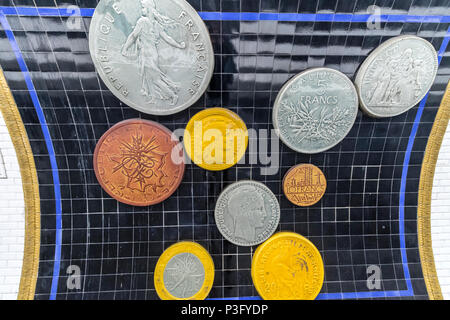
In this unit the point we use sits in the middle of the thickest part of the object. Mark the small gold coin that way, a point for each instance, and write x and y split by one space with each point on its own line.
304 185
185 271
287 267
216 139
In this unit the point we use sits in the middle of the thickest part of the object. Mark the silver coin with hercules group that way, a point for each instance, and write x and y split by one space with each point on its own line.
396 76
156 56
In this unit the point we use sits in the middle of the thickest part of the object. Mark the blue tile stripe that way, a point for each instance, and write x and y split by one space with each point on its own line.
238 16
49 144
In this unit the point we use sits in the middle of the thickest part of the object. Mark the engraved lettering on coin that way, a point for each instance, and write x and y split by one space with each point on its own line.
304 185
133 162
396 76
154 55
315 110
287 267
247 213
184 275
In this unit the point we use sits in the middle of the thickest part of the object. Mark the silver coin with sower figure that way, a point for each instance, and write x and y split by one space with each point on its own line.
396 76
315 110
154 55
247 213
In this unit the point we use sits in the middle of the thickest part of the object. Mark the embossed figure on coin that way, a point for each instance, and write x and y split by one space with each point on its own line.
142 44
400 79
156 56
247 210
137 163
184 275
304 185
287 267
396 76
289 270
247 213
315 110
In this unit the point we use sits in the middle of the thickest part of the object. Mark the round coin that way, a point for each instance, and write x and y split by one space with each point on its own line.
315 110
216 139
287 267
396 76
137 162
247 213
304 185
154 55
185 271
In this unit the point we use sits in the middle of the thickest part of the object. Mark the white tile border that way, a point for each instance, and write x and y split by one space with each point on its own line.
440 216
12 218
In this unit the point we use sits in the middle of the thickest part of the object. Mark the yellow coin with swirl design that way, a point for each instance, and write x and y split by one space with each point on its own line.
185 271
216 139
287 267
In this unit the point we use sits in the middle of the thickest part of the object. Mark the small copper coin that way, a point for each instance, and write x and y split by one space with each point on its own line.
304 185
137 162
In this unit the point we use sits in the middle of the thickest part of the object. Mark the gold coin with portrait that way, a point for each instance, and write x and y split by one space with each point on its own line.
287 267
216 139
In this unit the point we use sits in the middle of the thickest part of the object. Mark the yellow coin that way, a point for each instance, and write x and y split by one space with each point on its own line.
287 267
185 271
216 139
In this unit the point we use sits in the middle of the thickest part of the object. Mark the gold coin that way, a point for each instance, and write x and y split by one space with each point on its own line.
216 139
287 267
304 185
185 271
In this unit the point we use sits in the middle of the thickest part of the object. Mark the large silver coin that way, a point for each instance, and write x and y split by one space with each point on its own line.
154 55
396 76
247 213
315 110
184 275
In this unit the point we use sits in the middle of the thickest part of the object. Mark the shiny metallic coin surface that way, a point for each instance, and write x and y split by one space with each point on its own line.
185 271
304 185
396 76
287 267
315 110
154 55
247 213
137 162
216 139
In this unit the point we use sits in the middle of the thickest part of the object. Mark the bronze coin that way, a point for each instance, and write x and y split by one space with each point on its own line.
304 185
137 162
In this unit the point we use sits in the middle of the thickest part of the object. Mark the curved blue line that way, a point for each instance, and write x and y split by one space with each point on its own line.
49 144
411 140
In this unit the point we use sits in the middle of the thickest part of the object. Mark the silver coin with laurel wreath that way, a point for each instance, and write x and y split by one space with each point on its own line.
315 110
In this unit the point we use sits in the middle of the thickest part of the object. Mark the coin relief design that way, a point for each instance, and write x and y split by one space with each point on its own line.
156 56
184 271
247 213
135 162
396 76
216 139
287 267
184 275
304 185
315 110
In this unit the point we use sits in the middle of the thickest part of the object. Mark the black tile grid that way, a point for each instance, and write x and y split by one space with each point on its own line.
117 246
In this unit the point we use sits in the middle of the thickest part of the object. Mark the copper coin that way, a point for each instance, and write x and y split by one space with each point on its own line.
304 185
137 162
